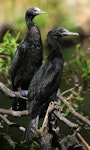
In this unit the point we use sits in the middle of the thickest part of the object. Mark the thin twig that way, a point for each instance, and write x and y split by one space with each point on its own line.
57 113
12 124
65 120
49 110
9 140
4 56
67 91
83 141
76 114
6 120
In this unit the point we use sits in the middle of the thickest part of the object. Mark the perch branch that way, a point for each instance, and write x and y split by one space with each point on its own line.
49 110
14 113
76 114
83 141
57 113
6 120
9 93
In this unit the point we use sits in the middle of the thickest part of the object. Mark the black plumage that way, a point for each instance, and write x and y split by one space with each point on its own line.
28 57
46 81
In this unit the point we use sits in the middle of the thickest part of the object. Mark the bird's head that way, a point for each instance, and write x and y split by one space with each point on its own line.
61 32
32 12
56 33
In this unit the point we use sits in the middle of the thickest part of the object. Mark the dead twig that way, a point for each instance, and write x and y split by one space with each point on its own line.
59 115
14 113
65 120
76 114
9 93
67 91
11 124
49 110
9 140
6 120
83 141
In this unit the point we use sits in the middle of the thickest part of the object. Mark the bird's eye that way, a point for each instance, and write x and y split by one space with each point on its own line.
61 31
28 15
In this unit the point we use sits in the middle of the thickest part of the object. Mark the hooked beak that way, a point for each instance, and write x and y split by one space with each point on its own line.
67 33
40 12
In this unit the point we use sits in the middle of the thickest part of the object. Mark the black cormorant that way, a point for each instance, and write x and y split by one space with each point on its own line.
45 83
28 57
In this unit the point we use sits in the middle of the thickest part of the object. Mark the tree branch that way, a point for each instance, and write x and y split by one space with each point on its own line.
76 114
9 93
11 124
65 120
9 140
49 110
6 120
83 141
14 113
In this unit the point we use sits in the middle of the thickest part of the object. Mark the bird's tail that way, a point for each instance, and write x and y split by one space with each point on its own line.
31 128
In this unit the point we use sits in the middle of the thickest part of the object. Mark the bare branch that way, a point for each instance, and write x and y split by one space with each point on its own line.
9 140
6 120
10 93
14 113
49 110
60 116
69 90
65 120
83 141
11 124
76 114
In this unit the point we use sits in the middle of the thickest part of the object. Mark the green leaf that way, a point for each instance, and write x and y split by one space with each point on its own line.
79 98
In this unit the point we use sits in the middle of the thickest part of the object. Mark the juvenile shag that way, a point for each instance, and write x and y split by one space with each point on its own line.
28 57
45 83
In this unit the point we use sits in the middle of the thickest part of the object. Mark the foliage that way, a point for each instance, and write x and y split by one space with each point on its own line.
76 76
7 51
79 64
5 145
58 14
30 145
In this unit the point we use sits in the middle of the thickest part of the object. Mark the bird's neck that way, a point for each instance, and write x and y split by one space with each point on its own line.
56 49
30 24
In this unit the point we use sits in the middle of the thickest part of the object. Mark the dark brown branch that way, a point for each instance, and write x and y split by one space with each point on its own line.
8 92
76 114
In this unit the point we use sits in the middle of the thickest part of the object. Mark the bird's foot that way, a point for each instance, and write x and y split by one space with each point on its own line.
42 131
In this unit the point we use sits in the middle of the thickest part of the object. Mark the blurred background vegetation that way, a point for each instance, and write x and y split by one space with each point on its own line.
67 13
70 14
